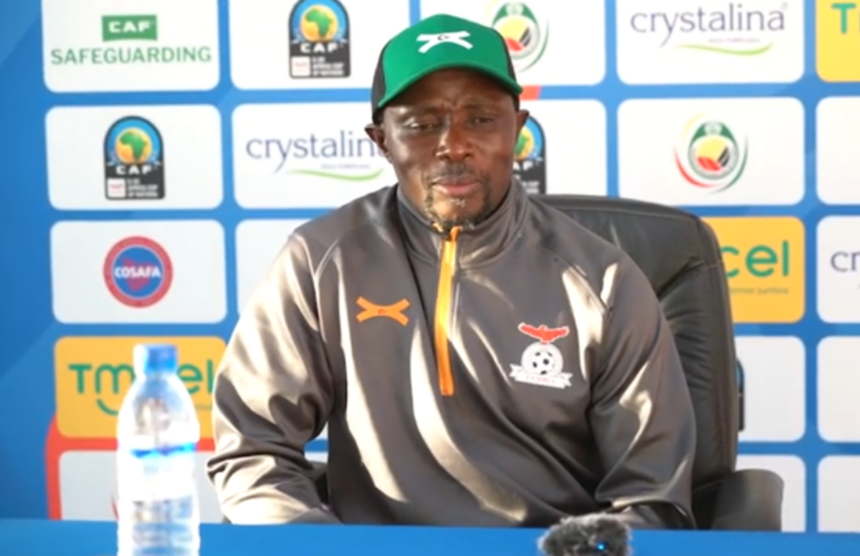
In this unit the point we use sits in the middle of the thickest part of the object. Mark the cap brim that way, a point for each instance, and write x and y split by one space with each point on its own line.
507 82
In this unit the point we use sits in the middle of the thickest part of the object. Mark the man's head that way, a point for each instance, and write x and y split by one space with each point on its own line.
446 114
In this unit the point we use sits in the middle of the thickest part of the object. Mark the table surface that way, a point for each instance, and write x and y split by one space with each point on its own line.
70 538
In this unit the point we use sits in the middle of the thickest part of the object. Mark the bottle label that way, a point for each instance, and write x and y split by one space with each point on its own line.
155 475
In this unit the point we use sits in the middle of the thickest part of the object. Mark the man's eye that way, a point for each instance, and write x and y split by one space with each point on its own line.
483 119
422 126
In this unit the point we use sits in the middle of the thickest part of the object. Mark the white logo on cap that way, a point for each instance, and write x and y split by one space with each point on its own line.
434 40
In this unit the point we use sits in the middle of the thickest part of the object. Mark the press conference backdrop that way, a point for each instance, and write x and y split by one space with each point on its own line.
156 154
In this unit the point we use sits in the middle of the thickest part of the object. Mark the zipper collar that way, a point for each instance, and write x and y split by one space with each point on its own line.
477 245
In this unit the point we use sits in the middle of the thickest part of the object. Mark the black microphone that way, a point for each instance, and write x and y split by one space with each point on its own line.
588 535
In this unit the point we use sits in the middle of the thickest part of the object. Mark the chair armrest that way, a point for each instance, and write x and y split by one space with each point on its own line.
749 500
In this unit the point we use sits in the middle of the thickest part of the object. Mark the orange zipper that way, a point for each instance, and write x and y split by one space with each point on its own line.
443 313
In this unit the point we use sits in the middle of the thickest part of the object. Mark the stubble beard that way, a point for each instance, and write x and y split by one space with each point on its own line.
465 221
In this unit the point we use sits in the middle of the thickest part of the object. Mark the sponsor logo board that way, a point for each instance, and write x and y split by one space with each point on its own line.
773 414
152 45
309 43
93 374
258 243
305 155
550 43
138 272
710 41
134 158
764 259
551 159
836 119
712 152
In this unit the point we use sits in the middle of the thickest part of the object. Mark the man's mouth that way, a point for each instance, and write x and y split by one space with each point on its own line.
457 186
457 190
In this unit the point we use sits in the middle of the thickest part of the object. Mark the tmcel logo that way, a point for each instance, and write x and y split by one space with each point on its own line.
764 260
837 38
93 374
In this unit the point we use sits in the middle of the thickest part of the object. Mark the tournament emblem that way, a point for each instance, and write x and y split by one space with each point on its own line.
526 35
134 161
710 156
319 40
542 362
530 157
138 272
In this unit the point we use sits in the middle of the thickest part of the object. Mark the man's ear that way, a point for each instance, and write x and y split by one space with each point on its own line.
377 135
522 117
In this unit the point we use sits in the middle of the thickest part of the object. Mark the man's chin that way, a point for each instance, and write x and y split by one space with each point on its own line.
462 218
464 212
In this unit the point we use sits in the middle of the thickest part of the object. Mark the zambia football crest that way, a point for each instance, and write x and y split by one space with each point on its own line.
542 363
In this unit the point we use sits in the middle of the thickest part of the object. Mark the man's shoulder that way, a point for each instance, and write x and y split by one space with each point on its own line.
602 268
362 215
571 241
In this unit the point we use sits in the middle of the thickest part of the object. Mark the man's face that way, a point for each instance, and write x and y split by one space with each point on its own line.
450 138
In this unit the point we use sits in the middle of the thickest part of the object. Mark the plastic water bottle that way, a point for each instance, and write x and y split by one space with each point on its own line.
157 434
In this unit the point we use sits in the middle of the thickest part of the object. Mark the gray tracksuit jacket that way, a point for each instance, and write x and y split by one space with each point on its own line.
507 375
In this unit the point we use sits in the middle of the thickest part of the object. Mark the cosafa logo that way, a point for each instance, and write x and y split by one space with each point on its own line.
710 156
764 260
525 32
530 157
93 374
838 40
138 272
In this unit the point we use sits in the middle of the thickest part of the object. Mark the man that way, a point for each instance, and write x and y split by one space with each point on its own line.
480 359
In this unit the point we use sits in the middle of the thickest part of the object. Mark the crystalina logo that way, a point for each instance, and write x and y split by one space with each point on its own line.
340 156
730 28
710 156
145 46
525 34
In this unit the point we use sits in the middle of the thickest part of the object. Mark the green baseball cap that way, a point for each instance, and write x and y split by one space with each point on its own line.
439 42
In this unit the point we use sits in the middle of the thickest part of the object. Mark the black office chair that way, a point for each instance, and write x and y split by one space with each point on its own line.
679 254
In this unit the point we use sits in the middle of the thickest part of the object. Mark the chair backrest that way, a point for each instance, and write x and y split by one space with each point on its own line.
681 257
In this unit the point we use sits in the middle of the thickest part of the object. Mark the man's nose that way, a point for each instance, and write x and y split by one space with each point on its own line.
455 142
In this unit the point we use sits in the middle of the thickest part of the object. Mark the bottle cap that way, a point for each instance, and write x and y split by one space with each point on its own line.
155 358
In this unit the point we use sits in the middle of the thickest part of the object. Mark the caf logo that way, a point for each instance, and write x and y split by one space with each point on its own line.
319 40
530 157
134 161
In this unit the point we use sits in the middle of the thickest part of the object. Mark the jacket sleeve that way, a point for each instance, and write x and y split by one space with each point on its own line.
273 393
642 414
